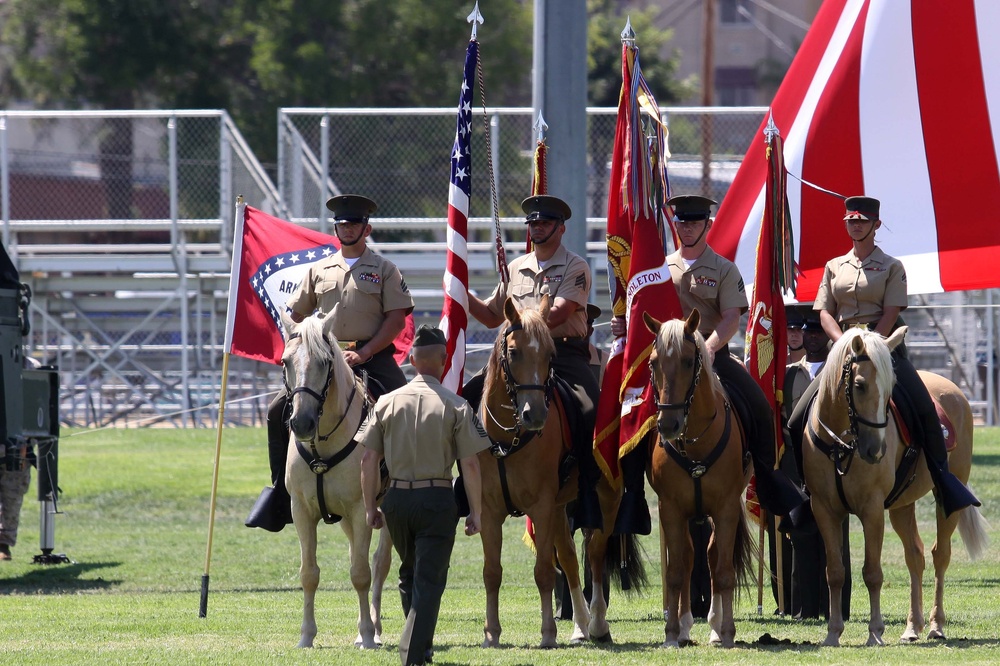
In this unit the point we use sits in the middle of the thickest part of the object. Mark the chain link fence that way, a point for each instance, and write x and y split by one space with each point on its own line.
121 223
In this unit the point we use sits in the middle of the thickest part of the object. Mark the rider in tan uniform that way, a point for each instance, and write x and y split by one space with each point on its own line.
565 276
420 430
866 287
373 303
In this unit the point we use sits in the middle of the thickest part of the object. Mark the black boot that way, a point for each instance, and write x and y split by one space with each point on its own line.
776 492
954 494
588 513
633 514
272 510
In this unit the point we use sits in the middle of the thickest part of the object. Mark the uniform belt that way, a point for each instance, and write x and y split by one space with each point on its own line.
572 340
420 483
352 345
858 324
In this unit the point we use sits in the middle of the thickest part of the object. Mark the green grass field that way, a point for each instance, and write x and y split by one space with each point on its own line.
135 517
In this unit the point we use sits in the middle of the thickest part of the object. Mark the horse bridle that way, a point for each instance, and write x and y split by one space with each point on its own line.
842 450
688 397
512 388
317 464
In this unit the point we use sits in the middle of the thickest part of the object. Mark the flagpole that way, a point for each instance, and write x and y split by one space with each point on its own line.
233 282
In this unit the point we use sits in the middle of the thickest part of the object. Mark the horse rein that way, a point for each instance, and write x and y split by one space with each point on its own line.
688 397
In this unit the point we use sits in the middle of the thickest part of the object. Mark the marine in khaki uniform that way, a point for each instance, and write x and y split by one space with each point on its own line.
565 276
713 284
372 302
420 430
866 287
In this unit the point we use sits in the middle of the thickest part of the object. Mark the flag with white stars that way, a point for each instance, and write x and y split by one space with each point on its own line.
455 313
270 257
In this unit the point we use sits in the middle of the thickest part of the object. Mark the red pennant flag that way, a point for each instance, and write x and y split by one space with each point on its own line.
270 257
637 270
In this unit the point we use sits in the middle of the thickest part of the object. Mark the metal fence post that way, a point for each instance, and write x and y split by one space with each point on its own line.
4 182
225 185
324 177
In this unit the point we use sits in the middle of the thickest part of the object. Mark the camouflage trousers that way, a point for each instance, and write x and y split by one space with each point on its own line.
13 486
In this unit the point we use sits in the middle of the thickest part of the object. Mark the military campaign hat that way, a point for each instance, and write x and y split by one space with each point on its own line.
545 207
861 208
593 312
428 335
351 207
812 322
794 316
691 207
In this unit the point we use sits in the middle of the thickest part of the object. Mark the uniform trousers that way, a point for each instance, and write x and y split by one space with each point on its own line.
422 525
13 486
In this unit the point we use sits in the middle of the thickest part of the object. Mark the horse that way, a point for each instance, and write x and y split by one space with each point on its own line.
851 452
323 469
521 475
698 471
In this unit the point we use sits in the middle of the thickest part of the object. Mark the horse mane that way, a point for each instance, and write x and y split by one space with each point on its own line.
318 346
671 339
535 326
875 347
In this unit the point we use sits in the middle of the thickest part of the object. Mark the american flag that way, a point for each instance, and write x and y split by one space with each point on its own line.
455 313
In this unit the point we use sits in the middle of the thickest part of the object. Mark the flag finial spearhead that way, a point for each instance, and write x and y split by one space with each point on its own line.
628 34
770 130
540 126
475 18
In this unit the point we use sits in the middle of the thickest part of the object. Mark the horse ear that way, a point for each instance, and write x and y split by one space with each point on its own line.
692 321
329 320
510 311
652 323
286 323
897 337
857 345
545 306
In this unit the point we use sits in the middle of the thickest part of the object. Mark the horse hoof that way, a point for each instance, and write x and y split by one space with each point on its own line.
671 645
305 643
548 644
489 644
875 641
935 635
909 637
605 638
832 641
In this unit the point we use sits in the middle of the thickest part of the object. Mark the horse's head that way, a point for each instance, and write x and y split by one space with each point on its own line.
314 368
864 377
676 363
523 356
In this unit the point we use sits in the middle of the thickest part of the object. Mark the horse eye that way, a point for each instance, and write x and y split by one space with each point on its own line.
860 386
688 363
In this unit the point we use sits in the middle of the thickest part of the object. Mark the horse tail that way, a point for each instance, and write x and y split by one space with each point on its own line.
744 554
624 560
972 527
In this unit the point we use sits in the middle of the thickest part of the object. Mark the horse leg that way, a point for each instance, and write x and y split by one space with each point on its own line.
904 522
359 539
545 572
570 563
596 545
873 522
308 574
381 560
941 554
829 523
678 577
721 547
492 537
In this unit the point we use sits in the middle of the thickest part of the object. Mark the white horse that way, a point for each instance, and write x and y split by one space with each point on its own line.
323 472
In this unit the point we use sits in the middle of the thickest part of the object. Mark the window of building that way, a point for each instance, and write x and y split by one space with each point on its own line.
729 11
735 86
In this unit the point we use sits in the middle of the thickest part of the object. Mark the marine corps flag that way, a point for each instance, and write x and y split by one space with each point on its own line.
637 270
766 340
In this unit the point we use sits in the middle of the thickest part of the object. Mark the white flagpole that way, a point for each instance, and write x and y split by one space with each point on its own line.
234 277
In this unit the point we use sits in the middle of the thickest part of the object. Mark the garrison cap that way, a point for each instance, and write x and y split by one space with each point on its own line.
691 207
545 207
351 207
593 312
861 208
428 335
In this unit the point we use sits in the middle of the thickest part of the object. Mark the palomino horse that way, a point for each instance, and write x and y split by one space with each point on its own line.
520 475
323 473
697 471
850 454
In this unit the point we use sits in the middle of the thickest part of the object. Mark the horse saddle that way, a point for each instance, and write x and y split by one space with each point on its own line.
744 418
910 426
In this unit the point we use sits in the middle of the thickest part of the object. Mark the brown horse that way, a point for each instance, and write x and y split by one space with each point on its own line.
851 452
697 471
323 472
520 475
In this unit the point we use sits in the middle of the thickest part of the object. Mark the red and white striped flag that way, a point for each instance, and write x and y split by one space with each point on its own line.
898 100
455 313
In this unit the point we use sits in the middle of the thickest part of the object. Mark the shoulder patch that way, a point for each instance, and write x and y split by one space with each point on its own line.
479 425
402 284
581 281
740 287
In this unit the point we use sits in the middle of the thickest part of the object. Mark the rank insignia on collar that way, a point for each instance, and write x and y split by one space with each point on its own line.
374 278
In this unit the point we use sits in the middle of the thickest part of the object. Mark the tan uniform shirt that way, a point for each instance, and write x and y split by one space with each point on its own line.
566 275
796 380
421 429
856 292
365 292
712 284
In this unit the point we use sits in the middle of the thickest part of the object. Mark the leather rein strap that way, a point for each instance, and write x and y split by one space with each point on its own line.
698 468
